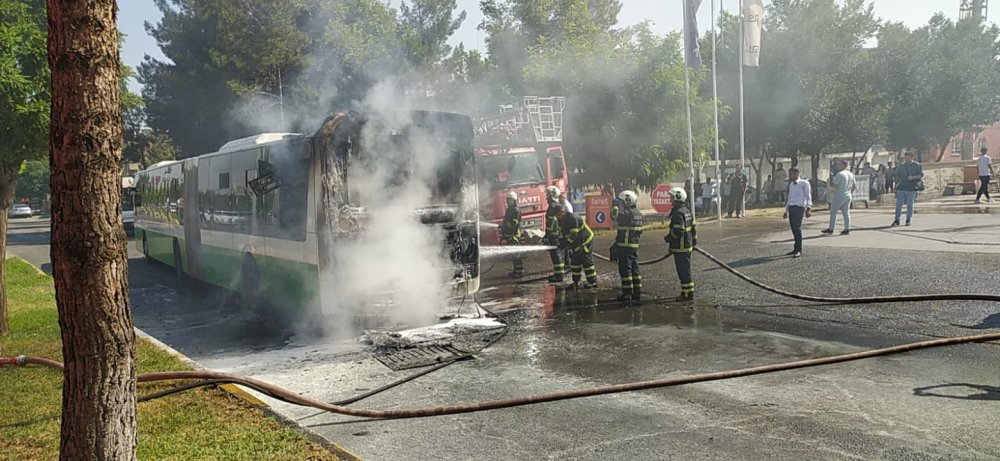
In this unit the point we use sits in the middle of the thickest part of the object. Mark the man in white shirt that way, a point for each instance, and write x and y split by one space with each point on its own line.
985 164
566 203
708 192
840 200
798 204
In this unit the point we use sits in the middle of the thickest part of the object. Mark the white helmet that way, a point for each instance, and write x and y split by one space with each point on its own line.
628 197
552 192
679 195
512 196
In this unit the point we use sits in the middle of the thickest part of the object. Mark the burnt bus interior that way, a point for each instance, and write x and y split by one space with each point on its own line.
359 153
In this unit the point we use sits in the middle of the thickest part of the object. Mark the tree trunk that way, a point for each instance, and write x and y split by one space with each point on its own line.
942 145
815 174
8 181
89 259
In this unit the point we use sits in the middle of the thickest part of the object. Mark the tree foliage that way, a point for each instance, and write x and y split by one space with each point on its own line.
24 82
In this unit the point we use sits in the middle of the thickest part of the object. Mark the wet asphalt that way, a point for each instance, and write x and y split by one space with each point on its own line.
934 404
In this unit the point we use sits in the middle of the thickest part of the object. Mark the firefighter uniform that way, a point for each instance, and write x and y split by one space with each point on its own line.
510 234
553 236
626 250
682 238
578 238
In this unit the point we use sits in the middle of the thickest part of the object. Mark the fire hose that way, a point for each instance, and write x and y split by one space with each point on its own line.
298 399
212 377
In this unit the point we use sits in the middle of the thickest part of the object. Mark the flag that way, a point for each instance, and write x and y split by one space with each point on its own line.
691 52
753 14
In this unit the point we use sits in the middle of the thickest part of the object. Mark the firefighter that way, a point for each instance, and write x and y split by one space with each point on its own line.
626 247
510 232
578 239
682 239
552 234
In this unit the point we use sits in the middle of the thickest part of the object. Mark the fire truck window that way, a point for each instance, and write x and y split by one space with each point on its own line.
556 166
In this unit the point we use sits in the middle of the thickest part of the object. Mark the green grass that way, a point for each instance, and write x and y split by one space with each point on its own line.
206 424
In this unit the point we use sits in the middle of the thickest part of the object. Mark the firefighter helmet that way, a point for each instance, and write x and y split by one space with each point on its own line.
628 197
512 197
679 195
552 192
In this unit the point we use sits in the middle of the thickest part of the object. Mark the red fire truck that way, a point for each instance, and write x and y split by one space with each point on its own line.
520 150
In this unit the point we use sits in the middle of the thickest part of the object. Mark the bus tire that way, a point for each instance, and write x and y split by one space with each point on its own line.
178 262
249 288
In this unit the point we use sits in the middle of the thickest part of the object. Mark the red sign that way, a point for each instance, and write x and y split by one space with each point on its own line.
661 199
598 211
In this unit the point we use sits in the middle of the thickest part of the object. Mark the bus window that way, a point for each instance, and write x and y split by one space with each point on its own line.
281 211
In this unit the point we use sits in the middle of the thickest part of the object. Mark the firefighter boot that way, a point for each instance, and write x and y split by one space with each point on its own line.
685 297
636 296
625 296
556 278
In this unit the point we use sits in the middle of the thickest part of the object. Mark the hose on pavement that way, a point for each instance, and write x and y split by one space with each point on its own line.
340 408
298 399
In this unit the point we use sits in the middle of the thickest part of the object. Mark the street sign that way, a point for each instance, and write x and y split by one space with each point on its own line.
661 199
599 211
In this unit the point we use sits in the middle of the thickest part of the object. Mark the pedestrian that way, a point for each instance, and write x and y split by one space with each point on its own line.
909 177
727 192
767 191
681 239
890 178
869 171
510 232
566 203
880 183
844 185
738 191
626 248
552 234
708 192
798 204
985 164
781 178
578 239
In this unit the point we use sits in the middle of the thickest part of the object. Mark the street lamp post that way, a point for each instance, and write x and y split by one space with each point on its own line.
280 97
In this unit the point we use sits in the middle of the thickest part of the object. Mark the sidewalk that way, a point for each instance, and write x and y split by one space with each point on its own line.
946 226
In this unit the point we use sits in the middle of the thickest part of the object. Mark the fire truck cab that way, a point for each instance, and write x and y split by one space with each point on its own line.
520 150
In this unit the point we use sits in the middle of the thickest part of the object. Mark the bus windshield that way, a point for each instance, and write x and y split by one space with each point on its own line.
502 171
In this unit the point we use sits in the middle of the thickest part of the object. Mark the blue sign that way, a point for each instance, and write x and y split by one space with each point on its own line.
600 217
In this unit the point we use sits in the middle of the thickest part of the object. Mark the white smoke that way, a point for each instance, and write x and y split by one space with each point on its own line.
396 271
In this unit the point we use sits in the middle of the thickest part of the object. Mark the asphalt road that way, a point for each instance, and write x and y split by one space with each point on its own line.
935 404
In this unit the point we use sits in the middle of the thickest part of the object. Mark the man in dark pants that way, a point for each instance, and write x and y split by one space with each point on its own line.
797 205
738 191
578 238
985 165
681 239
552 234
628 230
510 232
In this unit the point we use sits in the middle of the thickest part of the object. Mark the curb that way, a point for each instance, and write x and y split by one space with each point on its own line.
241 393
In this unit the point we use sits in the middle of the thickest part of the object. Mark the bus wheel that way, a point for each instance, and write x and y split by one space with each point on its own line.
145 249
250 284
178 262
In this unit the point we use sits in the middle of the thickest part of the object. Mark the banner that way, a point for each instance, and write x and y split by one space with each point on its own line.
753 14
692 55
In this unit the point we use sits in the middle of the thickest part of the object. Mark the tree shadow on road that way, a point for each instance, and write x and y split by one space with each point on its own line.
989 323
751 262
963 391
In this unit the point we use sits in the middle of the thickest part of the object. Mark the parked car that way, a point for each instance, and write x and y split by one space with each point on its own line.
19 210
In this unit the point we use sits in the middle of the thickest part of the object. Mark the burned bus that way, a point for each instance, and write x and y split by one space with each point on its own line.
266 215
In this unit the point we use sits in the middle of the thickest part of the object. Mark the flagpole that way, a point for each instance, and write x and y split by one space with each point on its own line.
715 104
742 49
687 98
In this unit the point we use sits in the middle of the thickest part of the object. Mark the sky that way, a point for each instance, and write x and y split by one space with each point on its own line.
664 14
